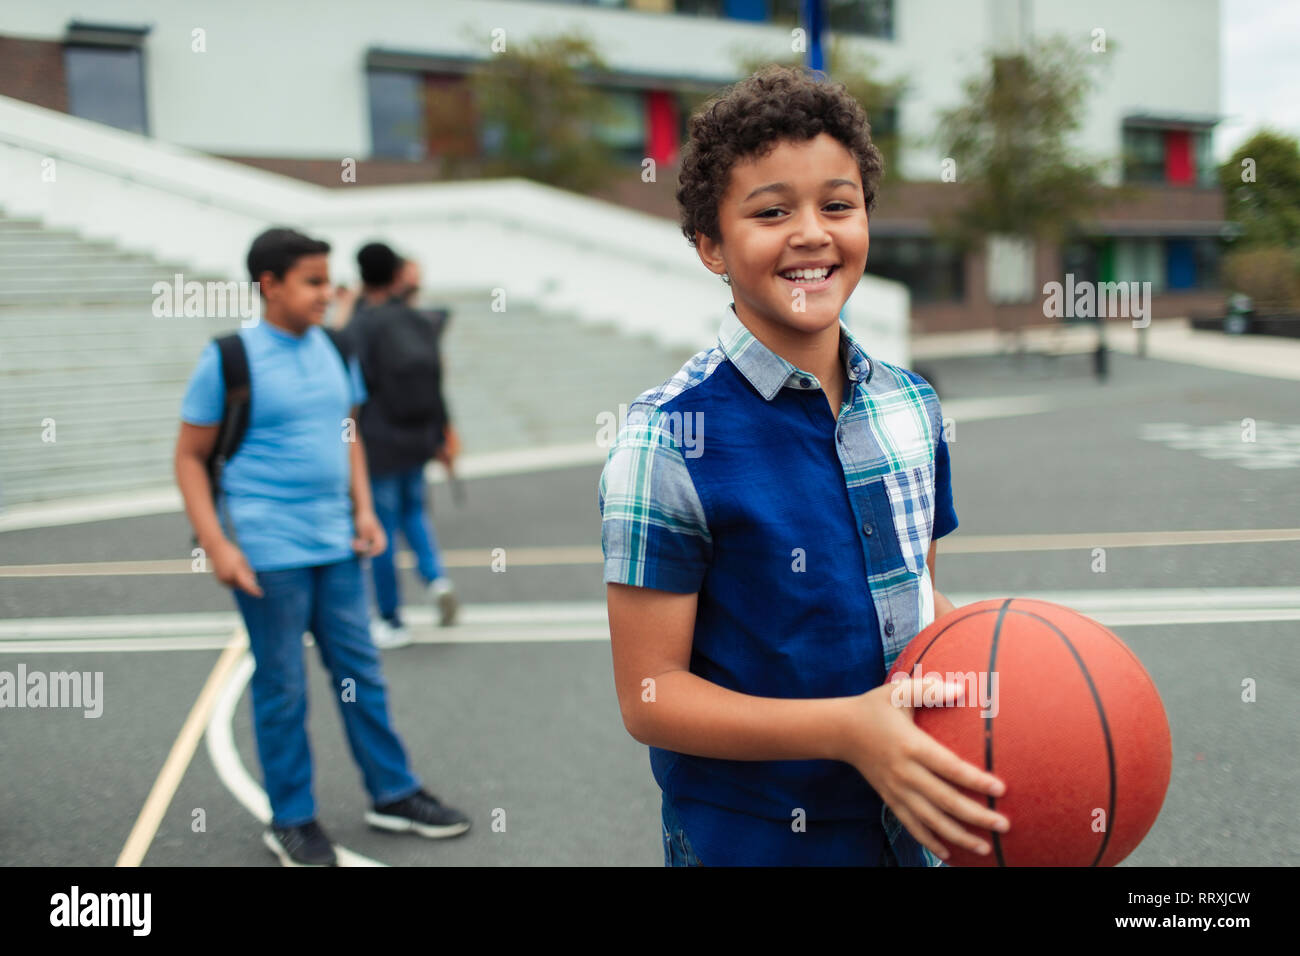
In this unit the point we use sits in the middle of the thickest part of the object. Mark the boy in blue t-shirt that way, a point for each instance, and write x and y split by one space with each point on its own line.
296 515
768 523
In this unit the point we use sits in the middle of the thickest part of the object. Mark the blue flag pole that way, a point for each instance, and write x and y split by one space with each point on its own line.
813 15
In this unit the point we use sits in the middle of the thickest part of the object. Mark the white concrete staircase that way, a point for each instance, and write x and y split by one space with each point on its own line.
81 349
80 346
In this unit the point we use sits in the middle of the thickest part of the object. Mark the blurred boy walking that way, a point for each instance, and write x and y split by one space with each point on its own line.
406 424
295 517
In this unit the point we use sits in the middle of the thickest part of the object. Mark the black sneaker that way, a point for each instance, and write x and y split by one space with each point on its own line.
421 813
305 845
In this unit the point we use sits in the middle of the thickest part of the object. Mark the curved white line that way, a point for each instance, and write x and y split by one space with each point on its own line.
225 757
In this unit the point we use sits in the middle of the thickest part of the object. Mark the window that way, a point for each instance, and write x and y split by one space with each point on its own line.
873 18
1208 252
1081 259
1141 260
397 129
1207 172
932 271
1144 155
624 131
701 8
106 84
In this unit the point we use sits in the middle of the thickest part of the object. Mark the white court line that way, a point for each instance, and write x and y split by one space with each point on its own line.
230 769
556 556
556 621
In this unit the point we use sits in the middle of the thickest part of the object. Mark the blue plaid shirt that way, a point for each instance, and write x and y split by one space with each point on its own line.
805 538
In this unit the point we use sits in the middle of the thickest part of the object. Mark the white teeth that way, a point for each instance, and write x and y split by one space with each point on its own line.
812 275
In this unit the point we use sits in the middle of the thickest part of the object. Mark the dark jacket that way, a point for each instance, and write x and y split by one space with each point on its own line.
391 446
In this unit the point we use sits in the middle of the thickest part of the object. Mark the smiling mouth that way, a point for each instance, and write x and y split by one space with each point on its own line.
809 278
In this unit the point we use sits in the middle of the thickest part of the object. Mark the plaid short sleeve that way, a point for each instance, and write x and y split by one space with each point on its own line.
653 530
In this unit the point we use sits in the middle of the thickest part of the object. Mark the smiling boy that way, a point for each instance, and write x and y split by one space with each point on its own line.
760 589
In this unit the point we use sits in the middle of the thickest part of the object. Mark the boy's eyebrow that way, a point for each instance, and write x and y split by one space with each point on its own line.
785 187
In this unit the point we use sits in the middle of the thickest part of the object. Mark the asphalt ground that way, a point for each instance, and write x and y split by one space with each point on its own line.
527 732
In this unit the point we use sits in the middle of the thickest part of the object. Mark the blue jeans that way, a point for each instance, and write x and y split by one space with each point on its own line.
399 505
330 601
677 848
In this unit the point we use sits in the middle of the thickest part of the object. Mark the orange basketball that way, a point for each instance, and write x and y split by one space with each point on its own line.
1060 709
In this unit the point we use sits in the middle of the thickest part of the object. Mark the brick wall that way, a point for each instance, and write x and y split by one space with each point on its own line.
32 71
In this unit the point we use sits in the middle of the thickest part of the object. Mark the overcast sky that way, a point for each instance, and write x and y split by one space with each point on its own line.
1261 70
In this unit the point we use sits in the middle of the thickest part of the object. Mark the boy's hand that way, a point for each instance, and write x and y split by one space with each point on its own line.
450 447
914 773
370 539
232 569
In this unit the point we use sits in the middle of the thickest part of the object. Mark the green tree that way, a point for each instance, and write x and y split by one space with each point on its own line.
1261 190
540 105
1009 139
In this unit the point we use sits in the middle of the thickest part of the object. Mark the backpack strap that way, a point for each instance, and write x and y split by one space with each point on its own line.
239 400
342 343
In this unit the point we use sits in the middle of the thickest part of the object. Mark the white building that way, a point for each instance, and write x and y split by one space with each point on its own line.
299 90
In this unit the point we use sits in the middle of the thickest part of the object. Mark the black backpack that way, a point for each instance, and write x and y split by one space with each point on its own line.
239 399
404 368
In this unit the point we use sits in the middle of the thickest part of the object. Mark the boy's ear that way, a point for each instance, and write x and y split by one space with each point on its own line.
710 254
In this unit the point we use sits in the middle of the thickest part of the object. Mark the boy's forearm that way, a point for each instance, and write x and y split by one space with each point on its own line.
361 498
694 716
942 605
196 491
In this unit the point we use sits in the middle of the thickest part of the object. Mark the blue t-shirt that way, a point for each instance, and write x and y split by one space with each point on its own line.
287 488
805 536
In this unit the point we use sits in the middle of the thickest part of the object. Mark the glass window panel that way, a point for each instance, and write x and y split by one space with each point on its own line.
624 131
106 84
396 114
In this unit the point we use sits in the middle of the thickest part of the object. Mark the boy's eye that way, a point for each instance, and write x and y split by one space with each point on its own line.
838 202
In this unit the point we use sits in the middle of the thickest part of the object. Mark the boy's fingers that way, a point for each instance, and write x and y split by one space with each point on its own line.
946 828
926 692
247 581
919 830
951 810
946 766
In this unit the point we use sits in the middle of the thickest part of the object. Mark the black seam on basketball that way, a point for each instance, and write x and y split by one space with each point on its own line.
1105 730
944 630
988 727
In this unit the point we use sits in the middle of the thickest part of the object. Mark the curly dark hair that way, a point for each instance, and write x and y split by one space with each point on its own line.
774 105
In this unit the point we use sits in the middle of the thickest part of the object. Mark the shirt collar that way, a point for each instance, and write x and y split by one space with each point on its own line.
768 372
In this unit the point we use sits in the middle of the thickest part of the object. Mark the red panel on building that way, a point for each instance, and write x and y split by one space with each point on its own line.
662 121
1179 167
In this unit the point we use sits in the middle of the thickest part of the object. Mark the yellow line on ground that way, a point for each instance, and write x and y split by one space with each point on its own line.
182 752
554 556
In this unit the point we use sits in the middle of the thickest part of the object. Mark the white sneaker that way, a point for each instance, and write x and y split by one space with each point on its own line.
443 596
386 636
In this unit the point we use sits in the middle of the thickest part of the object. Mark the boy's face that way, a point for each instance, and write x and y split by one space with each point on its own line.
800 205
298 301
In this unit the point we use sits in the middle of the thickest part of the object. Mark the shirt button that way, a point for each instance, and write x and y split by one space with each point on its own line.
866 528
889 627
805 383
